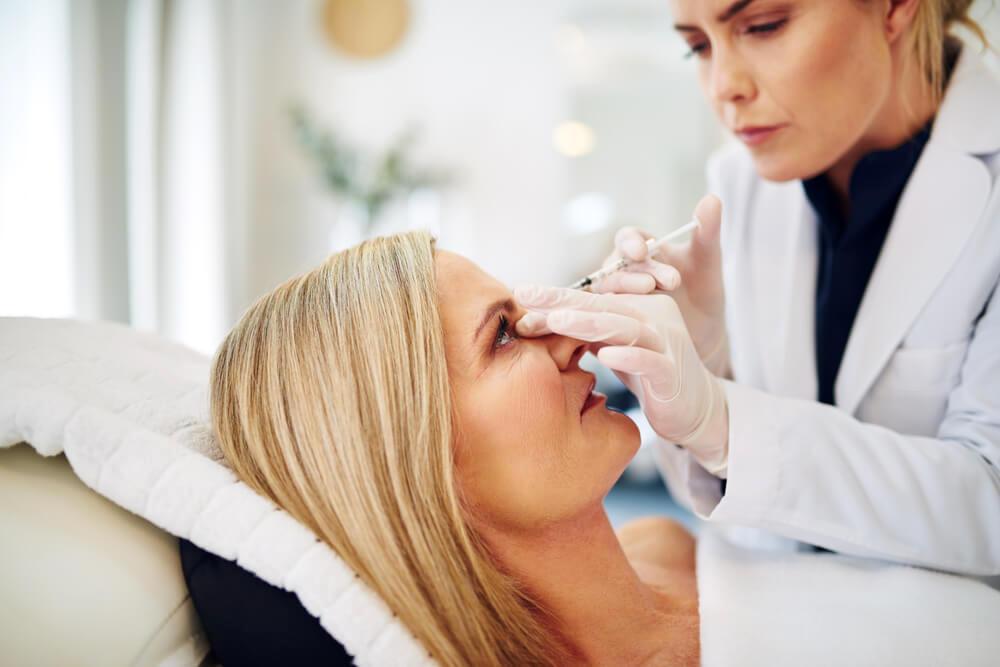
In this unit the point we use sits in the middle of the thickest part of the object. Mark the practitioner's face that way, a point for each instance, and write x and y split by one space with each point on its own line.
525 454
818 71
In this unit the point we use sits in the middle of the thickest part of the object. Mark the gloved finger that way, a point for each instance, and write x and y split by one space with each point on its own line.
630 242
708 212
532 324
546 299
705 239
661 376
608 328
667 277
625 282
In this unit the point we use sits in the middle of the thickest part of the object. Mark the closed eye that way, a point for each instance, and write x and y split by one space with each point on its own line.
763 28
696 49
759 29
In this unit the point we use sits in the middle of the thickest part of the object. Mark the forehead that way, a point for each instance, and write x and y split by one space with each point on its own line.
464 292
694 5
706 9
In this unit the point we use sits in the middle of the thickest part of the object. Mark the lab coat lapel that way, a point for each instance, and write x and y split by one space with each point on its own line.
943 200
939 208
785 289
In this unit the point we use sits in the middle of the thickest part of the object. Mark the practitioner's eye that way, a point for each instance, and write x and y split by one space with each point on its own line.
764 29
697 49
504 335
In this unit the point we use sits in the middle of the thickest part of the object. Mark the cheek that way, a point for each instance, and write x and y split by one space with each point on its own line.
829 89
532 421
515 428
832 79
520 402
537 410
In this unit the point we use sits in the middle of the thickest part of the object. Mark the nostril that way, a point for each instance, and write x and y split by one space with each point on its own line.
566 352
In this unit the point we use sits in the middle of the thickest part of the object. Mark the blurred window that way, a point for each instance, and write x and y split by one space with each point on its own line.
36 258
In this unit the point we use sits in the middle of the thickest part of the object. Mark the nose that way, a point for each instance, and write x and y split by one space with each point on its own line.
729 80
565 351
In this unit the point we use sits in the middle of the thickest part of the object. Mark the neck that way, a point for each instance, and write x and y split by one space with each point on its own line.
908 106
579 571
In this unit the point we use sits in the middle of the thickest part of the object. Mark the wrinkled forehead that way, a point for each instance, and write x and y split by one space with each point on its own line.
465 293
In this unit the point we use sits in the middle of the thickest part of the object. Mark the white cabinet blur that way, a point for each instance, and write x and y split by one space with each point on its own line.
650 128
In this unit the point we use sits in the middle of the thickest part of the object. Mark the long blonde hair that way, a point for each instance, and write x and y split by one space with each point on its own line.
331 398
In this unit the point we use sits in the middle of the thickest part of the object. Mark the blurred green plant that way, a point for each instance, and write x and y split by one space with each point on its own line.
371 182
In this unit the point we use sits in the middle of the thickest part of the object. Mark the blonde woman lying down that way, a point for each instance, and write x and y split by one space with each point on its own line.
384 400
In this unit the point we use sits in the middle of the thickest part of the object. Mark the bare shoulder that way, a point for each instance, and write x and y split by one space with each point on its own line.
659 541
652 528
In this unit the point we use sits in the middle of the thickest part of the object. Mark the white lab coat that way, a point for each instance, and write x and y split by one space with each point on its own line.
906 466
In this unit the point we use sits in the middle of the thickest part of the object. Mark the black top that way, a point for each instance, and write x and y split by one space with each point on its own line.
849 245
251 623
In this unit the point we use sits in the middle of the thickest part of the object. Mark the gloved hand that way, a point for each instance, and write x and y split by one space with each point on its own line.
691 272
642 337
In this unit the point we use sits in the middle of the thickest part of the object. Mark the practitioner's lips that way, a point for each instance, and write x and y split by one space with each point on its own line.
754 135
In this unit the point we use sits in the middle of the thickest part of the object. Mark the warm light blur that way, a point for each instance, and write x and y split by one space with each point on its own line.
573 139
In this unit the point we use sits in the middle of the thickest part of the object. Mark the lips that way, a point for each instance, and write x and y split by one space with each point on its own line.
591 397
594 399
588 389
754 135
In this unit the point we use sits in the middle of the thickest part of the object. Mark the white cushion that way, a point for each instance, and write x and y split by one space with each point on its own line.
85 582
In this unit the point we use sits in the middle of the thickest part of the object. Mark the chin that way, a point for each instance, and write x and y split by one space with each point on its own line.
623 431
613 431
791 163
779 168
611 446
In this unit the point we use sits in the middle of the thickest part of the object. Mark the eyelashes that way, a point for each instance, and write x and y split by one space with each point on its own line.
764 28
695 50
759 29
505 336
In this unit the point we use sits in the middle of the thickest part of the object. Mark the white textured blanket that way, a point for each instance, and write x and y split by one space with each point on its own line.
130 411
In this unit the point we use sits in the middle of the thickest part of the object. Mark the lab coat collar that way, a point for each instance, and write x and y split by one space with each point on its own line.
787 262
967 119
940 206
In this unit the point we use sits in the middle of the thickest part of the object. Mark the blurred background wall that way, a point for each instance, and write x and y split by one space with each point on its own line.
151 173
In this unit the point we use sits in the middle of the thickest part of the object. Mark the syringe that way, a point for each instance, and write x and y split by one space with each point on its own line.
651 247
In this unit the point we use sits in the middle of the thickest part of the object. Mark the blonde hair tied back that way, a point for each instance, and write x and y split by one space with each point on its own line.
933 24
331 398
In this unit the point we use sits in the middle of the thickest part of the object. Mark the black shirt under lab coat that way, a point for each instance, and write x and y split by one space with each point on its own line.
849 245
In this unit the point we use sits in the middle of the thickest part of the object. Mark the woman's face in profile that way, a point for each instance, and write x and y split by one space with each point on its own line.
526 454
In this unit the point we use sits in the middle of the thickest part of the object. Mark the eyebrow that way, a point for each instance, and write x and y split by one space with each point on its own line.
495 307
727 14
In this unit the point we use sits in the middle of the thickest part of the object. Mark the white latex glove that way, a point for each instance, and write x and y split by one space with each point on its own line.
642 337
691 272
